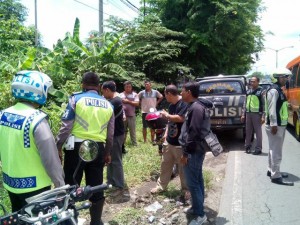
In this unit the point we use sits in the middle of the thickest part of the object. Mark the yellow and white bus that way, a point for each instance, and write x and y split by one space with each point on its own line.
293 95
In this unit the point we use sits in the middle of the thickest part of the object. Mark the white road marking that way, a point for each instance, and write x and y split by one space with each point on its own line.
237 202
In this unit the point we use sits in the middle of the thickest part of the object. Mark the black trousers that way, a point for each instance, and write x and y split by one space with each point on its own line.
18 200
93 170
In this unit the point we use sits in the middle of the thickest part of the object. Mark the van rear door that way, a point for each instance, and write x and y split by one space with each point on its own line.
228 96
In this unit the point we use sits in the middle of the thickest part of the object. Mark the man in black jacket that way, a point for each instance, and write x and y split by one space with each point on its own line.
194 129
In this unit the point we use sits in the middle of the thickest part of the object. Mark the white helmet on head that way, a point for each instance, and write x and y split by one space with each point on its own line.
32 86
281 72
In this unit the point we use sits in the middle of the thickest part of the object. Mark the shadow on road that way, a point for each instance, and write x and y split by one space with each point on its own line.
292 177
221 221
231 140
210 213
291 130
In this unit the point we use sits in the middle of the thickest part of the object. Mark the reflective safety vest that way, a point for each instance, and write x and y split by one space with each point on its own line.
92 115
254 101
281 107
22 167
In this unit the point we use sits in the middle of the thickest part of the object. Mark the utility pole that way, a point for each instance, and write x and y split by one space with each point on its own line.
35 20
100 20
100 17
144 8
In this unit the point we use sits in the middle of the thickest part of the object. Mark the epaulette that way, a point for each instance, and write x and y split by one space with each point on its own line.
77 93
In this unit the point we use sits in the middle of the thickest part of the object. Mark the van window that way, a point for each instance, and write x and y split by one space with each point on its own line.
221 87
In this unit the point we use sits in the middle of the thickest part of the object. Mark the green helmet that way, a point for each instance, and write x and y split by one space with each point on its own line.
281 72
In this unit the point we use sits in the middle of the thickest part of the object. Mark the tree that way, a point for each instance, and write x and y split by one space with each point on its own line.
12 9
260 75
69 59
152 49
14 36
221 35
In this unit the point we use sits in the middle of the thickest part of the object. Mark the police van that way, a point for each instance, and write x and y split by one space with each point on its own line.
228 94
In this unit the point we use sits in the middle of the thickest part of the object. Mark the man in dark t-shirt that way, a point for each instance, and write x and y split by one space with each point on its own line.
115 172
172 150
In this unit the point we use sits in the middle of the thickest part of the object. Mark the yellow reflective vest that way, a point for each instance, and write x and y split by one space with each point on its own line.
281 107
92 115
254 100
22 167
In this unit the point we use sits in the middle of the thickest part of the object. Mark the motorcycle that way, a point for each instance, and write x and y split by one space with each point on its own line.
57 206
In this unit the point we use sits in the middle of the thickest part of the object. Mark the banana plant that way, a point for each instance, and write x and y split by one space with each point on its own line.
97 58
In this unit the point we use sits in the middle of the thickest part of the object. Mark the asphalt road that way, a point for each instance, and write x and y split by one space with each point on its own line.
248 196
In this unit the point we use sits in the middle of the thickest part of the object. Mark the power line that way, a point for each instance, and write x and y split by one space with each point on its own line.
92 7
118 7
130 5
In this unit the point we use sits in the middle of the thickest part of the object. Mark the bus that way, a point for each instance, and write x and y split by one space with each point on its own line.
293 95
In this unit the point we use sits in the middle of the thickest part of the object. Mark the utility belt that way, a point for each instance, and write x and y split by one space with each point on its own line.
70 142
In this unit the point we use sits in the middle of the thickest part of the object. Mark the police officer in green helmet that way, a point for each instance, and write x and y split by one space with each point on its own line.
87 116
29 157
276 122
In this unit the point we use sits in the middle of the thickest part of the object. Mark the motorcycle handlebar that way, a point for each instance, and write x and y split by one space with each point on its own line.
73 195
83 193
98 188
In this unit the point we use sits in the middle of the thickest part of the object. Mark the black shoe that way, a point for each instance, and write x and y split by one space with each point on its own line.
256 152
248 150
282 182
123 149
283 175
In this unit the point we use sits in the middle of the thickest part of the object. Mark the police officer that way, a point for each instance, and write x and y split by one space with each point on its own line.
253 110
88 116
28 153
276 122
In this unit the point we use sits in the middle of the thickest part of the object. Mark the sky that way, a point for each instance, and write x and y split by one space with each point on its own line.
57 17
281 17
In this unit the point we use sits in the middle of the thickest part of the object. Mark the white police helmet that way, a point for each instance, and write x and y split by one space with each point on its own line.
32 86
281 72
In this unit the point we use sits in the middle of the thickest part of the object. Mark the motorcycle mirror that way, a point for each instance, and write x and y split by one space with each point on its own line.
88 151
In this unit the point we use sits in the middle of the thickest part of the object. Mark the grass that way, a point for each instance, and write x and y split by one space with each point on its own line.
139 164
4 199
142 161
128 215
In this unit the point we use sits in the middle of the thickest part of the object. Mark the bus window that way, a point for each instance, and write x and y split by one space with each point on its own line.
293 96
292 82
298 80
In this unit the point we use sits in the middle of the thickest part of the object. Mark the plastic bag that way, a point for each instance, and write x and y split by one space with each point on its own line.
213 143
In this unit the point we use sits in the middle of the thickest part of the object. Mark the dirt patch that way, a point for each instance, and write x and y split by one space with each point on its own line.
130 207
